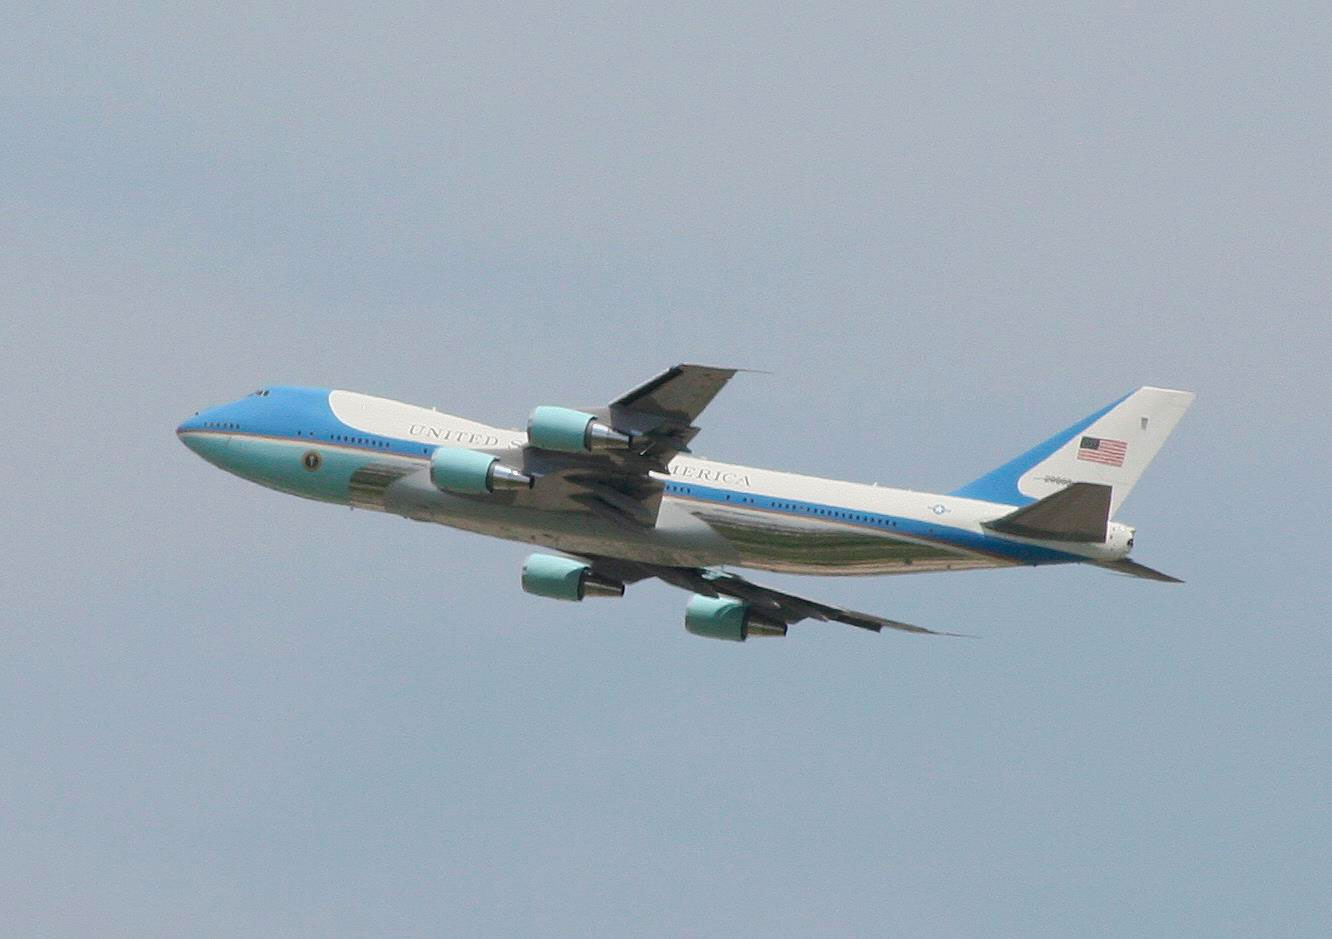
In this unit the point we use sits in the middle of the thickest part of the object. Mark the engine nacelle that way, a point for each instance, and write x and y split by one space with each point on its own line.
725 618
569 431
559 578
471 472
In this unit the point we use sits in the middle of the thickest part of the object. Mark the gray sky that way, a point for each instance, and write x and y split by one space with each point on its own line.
947 231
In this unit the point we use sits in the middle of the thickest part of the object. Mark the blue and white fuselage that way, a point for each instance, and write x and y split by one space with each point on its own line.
373 453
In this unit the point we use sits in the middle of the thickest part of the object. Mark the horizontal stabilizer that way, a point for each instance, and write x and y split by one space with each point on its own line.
1134 569
1079 512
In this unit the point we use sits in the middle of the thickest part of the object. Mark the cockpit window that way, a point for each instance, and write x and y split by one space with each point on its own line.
261 393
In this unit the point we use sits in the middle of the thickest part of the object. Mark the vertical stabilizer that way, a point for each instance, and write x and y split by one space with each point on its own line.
1111 448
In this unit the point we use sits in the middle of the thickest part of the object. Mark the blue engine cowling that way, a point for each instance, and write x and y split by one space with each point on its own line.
569 431
560 578
725 618
471 472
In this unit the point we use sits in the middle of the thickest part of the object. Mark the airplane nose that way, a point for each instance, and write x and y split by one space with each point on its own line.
194 422
184 432
194 433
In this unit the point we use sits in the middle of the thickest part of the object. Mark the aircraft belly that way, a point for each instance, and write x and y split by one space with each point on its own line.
766 541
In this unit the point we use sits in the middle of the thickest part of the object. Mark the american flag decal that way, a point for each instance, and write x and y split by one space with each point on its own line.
1102 450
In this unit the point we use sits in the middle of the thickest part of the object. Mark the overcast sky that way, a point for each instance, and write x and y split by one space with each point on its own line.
946 231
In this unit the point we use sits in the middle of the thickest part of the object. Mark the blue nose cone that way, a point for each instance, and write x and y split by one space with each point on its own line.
206 433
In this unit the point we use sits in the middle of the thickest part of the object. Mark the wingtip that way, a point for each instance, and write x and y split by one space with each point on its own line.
921 630
1134 569
734 370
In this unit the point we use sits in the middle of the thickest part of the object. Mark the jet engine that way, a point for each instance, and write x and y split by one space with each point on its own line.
725 618
559 578
471 472
569 431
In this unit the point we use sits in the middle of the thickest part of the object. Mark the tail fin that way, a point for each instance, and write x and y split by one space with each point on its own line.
1111 447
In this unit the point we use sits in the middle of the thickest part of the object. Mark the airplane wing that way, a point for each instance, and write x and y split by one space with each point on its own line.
772 604
599 459
661 412
666 407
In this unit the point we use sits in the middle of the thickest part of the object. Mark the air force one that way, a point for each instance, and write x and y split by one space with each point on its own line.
615 490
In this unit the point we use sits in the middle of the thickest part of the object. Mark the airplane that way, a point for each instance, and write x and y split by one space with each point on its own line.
616 492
